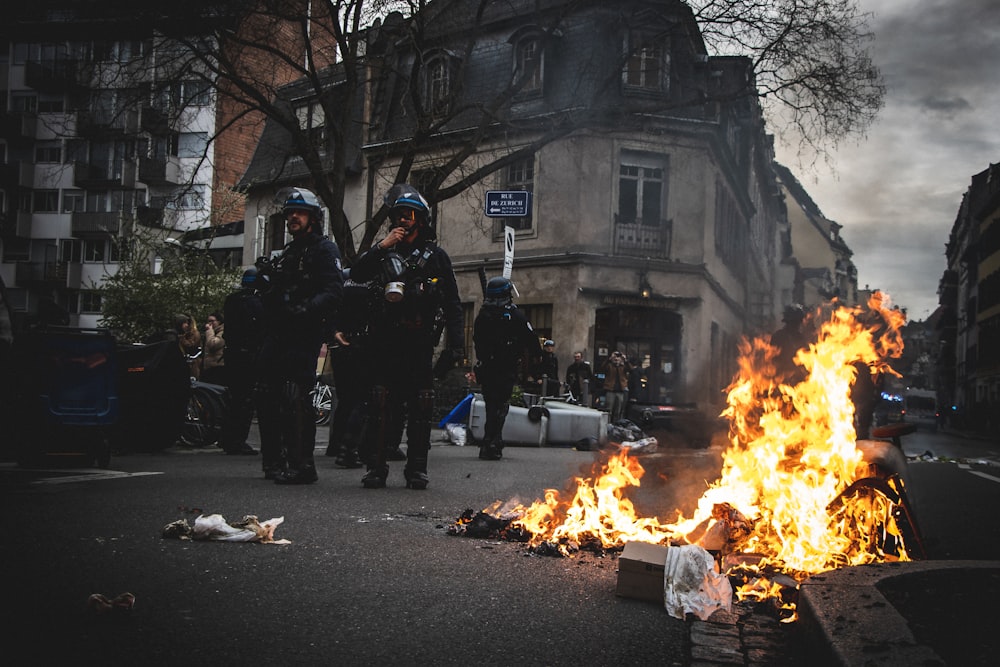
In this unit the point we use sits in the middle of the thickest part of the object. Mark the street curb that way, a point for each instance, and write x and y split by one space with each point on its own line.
846 611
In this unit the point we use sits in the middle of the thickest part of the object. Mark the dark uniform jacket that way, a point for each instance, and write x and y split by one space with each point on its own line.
504 342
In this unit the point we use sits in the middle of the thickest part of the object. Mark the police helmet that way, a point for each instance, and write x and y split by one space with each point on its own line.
300 199
249 277
499 290
414 201
794 312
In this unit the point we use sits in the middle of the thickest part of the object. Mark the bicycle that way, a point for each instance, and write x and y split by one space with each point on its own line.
322 401
203 416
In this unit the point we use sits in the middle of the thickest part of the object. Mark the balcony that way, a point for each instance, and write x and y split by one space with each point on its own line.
95 224
15 224
18 128
643 239
53 76
40 273
106 175
159 171
154 121
106 123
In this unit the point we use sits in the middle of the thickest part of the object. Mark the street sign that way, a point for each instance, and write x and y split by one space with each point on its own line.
508 203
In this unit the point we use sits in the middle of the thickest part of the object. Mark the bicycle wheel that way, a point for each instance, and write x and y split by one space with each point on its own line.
198 429
322 401
876 511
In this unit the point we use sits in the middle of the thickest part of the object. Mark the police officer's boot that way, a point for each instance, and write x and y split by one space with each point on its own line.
348 458
305 474
488 451
375 477
415 474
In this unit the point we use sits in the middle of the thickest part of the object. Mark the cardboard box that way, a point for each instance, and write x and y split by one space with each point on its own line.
640 571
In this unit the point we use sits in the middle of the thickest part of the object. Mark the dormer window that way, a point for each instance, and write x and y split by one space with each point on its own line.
646 63
312 120
528 64
440 83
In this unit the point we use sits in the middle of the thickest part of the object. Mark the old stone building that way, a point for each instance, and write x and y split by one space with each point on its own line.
655 216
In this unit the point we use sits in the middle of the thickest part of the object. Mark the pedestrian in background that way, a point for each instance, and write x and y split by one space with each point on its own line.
548 370
305 291
616 375
244 311
418 286
578 378
189 341
213 350
504 343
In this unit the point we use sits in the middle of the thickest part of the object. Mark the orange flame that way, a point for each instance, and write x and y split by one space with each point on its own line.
791 452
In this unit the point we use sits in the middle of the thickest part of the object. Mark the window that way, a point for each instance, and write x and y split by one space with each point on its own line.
48 151
73 201
646 63
528 61
192 198
95 250
312 120
23 102
191 93
437 93
640 192
540 316
90 301
641 225
192 144
45 201
71 250
517 176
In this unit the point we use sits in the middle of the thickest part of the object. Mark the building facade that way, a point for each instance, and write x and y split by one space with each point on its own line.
655 215
969 298
111 135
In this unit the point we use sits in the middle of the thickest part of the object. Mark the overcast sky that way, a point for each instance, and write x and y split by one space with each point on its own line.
897 192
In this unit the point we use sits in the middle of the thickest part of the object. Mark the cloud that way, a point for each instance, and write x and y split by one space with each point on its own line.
897 191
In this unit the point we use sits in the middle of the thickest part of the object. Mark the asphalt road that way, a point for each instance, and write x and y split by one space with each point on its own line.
370 576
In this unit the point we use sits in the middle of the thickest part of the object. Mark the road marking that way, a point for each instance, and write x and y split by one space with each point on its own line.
86 477
985 476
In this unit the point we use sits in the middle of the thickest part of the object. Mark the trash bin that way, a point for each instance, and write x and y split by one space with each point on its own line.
71 397
155 383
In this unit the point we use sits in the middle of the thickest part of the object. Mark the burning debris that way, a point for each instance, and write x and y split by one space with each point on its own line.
792 450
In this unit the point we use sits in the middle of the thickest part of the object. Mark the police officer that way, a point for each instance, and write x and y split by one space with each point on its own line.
504 342
418 287
244 313
306 288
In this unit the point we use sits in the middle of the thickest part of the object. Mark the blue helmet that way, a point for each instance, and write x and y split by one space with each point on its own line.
499 288
413 200
300 199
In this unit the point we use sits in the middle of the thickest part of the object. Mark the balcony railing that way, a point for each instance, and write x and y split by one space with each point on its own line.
642 238
107 175
103 123
95 224
53 76
159 171
53 273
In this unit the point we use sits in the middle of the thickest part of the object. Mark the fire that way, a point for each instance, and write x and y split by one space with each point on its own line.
791 452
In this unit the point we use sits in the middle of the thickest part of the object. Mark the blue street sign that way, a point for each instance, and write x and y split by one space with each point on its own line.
508 203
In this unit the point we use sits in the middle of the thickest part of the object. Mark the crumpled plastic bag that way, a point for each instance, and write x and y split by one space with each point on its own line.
691 584
456 433
214 527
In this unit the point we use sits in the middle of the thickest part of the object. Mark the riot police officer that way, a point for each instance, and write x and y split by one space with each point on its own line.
504 342
244 314
306 288
417 286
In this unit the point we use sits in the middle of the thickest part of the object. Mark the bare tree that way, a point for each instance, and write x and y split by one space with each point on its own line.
808 65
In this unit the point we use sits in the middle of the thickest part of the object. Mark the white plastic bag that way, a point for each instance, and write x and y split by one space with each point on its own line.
456 433
691 584
214 527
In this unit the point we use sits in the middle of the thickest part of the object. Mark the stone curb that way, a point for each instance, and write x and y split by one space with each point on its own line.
846 611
